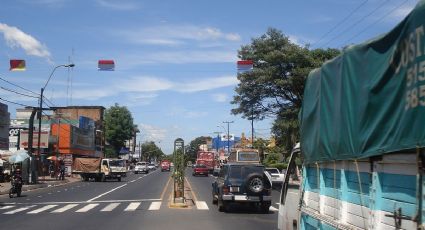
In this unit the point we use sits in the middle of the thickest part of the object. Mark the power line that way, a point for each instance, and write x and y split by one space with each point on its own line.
342 21
16 103
354 24
13 91
19 86
380 19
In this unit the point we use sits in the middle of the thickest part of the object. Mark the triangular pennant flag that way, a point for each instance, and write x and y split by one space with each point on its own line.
17 65
108 65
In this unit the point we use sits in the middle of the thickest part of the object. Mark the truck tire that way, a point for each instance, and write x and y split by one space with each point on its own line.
119 179
103 178
265 206
255 183
223 206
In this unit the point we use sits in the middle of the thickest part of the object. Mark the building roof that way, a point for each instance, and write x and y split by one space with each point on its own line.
79 107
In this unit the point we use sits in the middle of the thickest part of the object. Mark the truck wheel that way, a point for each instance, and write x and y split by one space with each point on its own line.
135 172
223 206
265 206
119 179
103 178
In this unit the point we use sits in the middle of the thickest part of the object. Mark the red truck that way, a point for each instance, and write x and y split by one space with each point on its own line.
165 165
206 158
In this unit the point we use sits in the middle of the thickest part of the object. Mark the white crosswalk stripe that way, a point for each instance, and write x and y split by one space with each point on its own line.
132 206
65 208
6 207
201 205
110 207
47 207
19 209
155 206
87 208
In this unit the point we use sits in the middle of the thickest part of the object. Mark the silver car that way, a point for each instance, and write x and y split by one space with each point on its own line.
141 167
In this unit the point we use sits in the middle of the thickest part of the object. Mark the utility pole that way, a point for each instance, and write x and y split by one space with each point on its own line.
228 135
252 127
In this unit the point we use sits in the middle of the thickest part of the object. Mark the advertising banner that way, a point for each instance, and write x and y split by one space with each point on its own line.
44 141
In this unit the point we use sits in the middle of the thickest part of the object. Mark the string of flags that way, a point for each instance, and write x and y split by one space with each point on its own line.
245 66
103 65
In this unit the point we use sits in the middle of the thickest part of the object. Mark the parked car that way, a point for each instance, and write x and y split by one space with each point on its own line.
200 170
242 183
151 167
277 177
141 167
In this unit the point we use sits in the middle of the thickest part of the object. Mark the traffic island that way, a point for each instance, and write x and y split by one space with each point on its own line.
185 202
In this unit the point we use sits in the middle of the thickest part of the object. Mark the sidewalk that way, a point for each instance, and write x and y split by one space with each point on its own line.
43 182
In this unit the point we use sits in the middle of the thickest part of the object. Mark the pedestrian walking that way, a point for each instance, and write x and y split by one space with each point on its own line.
62 170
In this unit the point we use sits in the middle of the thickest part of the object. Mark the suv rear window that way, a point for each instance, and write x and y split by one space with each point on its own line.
200 166
241 171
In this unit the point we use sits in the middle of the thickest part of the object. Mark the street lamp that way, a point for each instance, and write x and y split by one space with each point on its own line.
41 106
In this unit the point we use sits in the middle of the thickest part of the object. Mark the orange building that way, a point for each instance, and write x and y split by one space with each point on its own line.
73 140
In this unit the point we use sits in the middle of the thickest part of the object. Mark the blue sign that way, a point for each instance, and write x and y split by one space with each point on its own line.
219 143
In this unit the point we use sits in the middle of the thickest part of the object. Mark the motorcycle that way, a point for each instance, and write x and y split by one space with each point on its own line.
16 187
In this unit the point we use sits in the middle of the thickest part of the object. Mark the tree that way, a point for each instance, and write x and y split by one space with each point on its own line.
151 151
118 127
193 147
275 87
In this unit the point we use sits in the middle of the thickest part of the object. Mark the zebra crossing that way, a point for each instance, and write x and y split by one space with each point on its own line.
78 208
87 207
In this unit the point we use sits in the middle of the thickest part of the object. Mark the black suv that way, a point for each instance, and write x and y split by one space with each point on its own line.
245 183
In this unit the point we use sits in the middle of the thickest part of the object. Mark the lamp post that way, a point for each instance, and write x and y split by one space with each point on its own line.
41 110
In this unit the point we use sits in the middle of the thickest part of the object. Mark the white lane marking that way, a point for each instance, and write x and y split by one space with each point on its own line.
155 206
39 196
49 193
110 207
64 208
47 207
201 205
19 209
94 198
132 181
6 207
87 208
273 209
132 206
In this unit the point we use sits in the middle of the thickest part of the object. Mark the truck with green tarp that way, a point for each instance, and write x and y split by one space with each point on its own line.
362 140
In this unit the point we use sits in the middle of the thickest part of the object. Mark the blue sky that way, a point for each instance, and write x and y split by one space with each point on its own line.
175 60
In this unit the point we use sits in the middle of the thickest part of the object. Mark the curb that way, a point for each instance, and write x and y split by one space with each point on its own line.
27 188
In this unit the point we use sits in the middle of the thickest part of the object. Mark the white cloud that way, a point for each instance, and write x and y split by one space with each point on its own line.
118 4
194 114
144 89
16 38
207 84
152 133
145 84
177 34
219 97
183 57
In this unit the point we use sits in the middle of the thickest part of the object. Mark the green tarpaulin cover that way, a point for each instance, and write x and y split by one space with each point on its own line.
370 100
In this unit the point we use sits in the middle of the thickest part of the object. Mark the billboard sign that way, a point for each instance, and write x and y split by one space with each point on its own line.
44 141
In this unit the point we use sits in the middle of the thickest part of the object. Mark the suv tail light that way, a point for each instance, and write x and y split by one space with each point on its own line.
225 190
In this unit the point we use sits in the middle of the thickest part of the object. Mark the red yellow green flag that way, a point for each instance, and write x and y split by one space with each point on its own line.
17 65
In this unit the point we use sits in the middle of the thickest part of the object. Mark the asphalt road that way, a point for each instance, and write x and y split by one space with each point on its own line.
140 201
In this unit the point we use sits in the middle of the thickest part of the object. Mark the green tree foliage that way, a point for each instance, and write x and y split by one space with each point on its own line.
193 147
151 151
118 126
275 86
